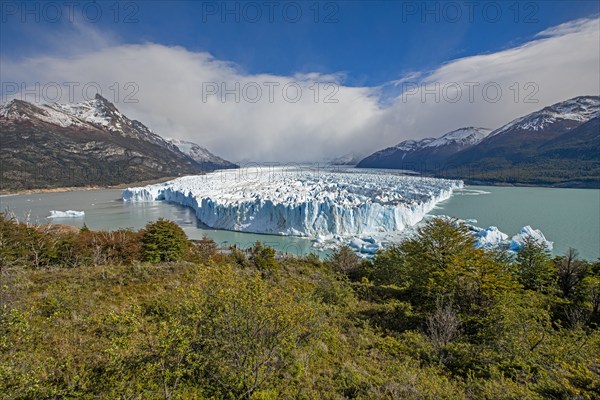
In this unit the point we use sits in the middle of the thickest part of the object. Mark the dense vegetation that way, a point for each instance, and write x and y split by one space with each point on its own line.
120 315
543 171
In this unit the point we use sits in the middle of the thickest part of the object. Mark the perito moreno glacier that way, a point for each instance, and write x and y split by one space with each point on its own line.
314 203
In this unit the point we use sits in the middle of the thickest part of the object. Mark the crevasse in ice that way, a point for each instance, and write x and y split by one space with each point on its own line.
302 202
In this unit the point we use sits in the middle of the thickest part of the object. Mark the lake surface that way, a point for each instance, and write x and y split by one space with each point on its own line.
569 217
104 210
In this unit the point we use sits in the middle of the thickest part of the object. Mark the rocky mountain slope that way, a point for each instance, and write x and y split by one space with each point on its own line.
204 159
89 143
557 145
425 154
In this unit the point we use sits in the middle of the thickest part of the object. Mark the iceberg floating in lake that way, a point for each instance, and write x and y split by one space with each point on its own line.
66 214
518 240
303 202
365 245
490 237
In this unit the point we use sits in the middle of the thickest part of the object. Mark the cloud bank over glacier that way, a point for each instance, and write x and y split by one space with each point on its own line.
174 102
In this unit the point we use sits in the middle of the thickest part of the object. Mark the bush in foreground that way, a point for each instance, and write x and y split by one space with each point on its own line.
163 241
433 318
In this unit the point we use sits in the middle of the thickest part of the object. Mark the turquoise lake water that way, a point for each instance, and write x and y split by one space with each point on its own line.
568 217
104 209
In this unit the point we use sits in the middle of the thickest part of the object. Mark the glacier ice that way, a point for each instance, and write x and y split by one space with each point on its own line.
366 210
66 214
365 245
490 237
298 201
518 240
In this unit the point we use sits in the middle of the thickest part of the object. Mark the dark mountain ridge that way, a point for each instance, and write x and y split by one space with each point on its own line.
558 145
84 144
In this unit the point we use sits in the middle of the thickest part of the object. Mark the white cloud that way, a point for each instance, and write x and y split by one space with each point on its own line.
545 71
562 62
569 27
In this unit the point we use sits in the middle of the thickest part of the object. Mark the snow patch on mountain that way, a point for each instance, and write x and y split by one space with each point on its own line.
351 158
580 109
98 113
462 137
303 202
412 145
11 110
91 111
198 153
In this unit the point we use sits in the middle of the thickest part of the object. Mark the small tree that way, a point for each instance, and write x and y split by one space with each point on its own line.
443 325
250 331
535 271
432 259
592 286
442 260
389 268
344 260
264 259
206 249
163 241
571 272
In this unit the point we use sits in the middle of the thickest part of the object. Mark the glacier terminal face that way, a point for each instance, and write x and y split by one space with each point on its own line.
315 203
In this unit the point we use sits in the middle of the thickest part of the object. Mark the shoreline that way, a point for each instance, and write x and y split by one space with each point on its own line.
4 193
540 185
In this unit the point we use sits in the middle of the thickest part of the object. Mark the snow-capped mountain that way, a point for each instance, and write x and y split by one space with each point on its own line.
577 110
204 158
88 143
98 113
463 137
413 145
557 145
351 158
425 153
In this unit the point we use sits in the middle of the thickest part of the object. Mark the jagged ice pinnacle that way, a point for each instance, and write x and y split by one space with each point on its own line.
303 202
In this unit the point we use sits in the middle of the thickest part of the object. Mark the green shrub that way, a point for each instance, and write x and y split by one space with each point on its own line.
163 241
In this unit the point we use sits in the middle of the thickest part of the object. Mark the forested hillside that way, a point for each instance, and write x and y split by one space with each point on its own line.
152 315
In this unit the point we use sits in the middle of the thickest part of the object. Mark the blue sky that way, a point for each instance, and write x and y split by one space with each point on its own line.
383 57
371 42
